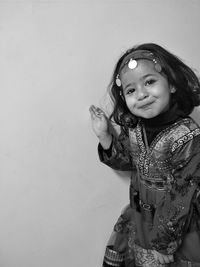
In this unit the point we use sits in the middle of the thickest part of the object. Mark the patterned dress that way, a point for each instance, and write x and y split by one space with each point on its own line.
164 209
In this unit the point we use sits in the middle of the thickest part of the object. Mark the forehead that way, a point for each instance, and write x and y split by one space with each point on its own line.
143 67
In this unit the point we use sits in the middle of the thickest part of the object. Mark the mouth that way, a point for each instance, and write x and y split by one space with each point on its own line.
146 105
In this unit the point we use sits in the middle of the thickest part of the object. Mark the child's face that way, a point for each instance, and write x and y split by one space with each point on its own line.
146 91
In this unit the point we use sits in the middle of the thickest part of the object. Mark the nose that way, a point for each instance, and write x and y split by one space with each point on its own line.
142 93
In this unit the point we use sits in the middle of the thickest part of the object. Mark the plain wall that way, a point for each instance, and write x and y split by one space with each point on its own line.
58 203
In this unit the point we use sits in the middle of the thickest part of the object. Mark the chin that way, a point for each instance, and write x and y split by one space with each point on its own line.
148 116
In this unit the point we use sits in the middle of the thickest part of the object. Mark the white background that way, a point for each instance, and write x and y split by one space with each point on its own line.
58 203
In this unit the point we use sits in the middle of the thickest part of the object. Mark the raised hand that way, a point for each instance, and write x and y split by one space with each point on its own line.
99 121
100 126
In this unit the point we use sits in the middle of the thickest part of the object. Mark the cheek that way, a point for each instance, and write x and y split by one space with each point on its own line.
130 102
168 96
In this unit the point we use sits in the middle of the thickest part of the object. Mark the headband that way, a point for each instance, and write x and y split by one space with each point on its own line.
132 63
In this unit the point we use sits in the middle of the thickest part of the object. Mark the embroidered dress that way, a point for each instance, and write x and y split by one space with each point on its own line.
164 209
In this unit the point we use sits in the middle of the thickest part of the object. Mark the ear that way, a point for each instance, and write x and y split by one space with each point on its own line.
172 90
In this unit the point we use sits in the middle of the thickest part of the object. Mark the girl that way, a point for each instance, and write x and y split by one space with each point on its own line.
154 93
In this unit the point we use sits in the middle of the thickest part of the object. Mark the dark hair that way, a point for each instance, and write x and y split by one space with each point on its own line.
179 75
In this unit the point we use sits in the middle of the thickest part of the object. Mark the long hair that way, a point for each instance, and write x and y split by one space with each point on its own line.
178 74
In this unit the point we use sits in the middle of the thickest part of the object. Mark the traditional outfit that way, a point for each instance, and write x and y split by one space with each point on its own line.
164 209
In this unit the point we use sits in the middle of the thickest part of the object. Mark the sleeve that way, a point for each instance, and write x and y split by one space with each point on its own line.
173 215
118 156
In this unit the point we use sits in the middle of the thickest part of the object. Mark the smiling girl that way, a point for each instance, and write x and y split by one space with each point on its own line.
154 93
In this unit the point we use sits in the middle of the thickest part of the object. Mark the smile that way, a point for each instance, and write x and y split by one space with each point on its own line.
147 105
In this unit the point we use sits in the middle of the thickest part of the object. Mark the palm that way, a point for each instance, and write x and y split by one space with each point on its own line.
99 121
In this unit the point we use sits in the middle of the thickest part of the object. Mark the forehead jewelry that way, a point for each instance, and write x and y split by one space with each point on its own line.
131 62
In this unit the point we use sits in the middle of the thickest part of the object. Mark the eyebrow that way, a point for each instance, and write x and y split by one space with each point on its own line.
142 78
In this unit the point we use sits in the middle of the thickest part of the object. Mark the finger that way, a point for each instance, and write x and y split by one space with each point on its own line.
96 111
99 111
97 118
93 112
92 109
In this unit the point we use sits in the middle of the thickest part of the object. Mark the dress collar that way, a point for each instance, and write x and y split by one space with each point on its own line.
164 119
155 125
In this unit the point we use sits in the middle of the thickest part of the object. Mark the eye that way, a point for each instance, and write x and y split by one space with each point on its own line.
130 91
150 82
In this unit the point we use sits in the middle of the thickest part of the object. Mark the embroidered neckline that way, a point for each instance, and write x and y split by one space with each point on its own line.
142 143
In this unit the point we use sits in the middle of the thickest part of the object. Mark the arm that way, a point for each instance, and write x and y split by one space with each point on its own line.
118 156
115 152
174 213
